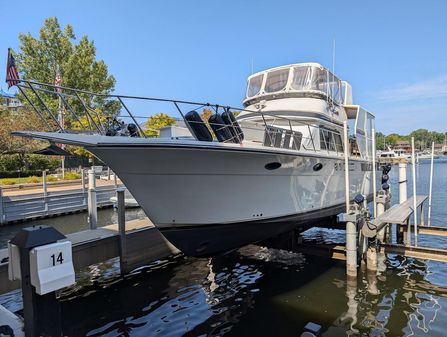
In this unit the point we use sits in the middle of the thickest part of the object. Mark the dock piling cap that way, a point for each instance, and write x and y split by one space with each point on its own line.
35 236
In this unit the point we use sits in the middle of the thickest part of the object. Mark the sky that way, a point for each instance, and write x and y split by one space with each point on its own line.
393 53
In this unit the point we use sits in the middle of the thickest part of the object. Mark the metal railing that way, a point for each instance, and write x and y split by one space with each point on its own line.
87 112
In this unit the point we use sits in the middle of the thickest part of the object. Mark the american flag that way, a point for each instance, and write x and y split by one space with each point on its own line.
58 80
12 75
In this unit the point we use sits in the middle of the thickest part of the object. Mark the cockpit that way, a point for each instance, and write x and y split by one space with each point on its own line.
306 79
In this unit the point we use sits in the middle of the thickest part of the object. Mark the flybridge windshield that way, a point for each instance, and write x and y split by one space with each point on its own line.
298 78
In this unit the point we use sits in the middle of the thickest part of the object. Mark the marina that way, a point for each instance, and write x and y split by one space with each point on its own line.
237 289
190 197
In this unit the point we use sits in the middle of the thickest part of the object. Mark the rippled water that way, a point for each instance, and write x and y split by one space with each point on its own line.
263 292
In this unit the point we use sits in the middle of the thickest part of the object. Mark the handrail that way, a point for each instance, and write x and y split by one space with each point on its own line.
67 95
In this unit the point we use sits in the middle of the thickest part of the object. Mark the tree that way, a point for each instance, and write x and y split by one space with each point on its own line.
22 119
380 141
156 122
55 47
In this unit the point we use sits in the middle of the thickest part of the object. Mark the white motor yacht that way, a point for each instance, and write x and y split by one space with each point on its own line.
278 166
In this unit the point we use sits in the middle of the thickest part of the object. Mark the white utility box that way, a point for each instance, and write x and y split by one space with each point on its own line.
51 267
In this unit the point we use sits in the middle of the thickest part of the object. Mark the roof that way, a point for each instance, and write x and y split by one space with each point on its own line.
6 94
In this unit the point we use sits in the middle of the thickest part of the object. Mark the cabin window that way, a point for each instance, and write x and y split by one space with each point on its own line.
324 139
330 140
302 78
276 80
319 80
254 85
338 142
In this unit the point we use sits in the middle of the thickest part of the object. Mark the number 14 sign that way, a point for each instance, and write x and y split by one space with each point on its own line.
51 267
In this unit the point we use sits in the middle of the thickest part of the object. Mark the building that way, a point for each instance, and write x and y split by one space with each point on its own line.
403 145
9 101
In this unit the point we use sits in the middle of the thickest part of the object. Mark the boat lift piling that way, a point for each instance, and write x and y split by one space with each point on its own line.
415 215
430 189
351 218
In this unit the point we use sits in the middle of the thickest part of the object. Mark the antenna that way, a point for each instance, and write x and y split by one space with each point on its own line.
252 65
333 57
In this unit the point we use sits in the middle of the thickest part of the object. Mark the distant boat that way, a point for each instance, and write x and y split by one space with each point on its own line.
129 200
393 154
425 156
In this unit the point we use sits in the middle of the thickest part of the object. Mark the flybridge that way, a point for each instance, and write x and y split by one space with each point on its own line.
298 80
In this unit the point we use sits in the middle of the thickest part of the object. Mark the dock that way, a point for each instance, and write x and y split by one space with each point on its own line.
145 244
37 202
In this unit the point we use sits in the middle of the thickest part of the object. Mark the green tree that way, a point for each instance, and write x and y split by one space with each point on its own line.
22 119
156 122
39 58
380 141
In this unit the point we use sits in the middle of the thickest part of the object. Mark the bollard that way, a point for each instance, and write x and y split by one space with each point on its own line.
92 207
402 182
122 230
44 266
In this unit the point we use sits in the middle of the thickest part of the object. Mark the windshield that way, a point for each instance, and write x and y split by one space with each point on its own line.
254 85
276 80
305 77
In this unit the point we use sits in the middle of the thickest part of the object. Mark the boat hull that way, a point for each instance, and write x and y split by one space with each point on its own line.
214 239
210 200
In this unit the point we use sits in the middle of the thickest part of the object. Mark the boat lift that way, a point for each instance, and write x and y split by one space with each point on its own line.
367 239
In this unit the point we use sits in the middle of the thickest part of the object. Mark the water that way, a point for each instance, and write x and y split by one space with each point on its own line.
258 291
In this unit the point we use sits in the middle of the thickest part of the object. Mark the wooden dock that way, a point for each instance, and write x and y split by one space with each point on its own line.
145 245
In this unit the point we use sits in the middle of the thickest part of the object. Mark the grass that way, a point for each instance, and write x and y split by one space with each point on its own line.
35 180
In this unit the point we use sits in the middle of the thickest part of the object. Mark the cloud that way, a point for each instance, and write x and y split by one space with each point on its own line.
434 88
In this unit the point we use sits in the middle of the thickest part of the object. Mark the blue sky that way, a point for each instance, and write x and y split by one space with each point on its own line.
394 53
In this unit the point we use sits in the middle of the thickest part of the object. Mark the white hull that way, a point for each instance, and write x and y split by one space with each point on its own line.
179 186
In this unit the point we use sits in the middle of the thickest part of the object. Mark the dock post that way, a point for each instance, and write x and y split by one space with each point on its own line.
122 229
44 183
115 181
402 182
2 212
45 190
407 238
92 209
84 201
351 245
